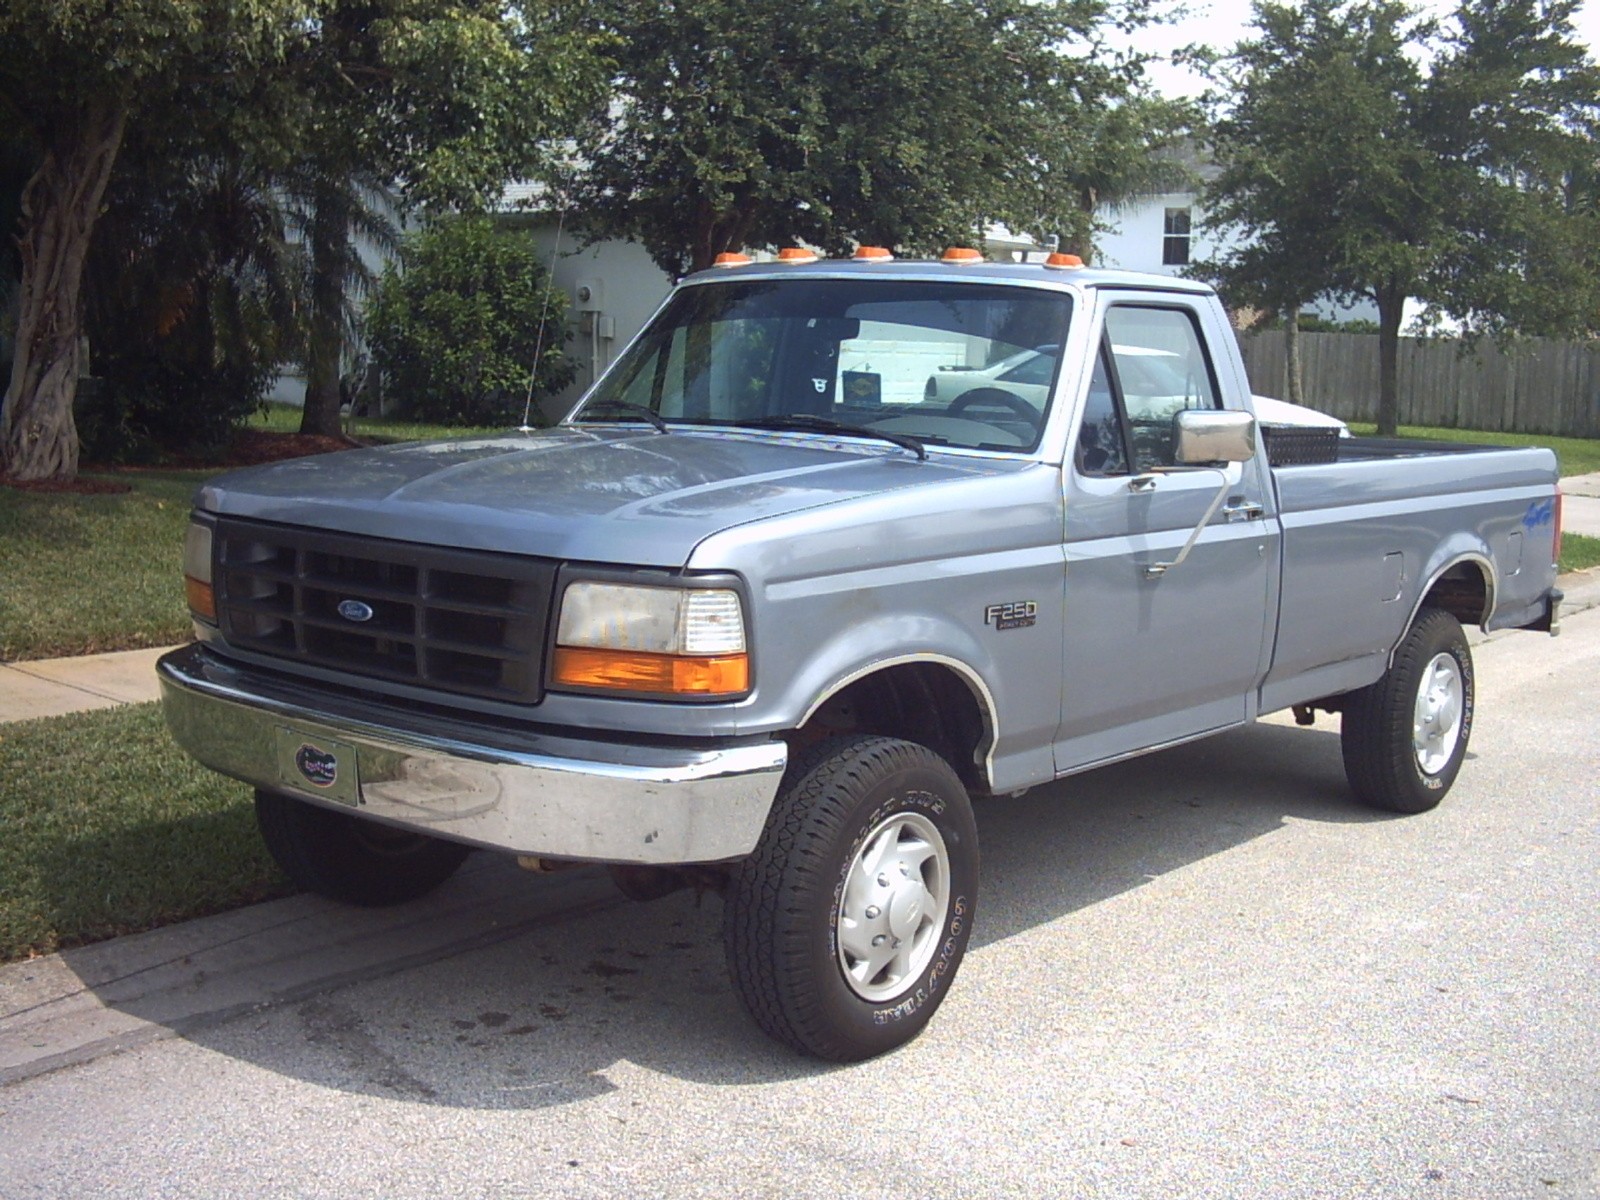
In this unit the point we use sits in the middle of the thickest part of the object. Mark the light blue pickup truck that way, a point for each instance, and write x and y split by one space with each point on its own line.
779 597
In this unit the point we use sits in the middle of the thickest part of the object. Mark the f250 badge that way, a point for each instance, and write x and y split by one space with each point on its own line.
1019 614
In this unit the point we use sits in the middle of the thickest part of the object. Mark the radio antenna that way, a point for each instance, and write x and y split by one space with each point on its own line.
544 313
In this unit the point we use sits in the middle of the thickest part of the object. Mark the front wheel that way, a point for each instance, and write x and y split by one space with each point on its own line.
345 858
845 927
1405 737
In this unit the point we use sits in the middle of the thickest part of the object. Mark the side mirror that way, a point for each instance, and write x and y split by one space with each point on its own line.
1211 435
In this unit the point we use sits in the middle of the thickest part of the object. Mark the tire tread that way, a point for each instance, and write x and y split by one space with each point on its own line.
764 926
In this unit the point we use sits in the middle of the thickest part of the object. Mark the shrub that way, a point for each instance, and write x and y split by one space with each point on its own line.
456 332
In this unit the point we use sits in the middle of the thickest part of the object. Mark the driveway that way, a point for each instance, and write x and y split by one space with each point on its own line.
1204 973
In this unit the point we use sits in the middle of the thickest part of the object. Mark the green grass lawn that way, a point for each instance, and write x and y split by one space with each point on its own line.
1579 553
285 418
111 829
1578 456
83 574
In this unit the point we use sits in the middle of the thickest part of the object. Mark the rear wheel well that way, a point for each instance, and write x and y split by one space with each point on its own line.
925 703
1463 592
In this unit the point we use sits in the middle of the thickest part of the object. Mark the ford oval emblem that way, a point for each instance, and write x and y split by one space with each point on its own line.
355 610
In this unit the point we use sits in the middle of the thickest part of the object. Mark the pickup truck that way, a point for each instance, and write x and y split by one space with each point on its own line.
765 612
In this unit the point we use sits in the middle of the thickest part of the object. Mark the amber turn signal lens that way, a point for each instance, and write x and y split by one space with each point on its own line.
662 674
202 600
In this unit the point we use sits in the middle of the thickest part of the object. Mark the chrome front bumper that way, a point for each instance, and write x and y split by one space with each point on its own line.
535 794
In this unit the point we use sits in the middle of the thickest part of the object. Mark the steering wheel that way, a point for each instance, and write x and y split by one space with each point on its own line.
993 397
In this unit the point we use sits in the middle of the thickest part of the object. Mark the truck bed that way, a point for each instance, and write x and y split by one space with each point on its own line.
1366 536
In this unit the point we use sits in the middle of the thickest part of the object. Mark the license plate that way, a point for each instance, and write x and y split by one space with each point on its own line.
320 766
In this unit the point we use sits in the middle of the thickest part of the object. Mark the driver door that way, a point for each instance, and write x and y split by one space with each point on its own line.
1153 658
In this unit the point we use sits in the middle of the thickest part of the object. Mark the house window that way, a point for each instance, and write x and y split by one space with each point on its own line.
1175 238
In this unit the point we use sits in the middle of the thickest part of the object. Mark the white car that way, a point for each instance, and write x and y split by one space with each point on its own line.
1028 374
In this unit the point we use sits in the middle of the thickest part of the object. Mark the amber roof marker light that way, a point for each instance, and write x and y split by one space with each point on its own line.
796 255
732 260
1063 262
962 255
873 254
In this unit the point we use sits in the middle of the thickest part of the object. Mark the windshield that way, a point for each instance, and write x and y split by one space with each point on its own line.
948 364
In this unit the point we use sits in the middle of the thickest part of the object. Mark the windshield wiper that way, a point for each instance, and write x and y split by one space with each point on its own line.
815 424
626 408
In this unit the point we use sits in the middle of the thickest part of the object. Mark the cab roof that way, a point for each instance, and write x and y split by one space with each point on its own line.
1036 274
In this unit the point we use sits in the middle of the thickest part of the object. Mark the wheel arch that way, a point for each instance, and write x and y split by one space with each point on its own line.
1462 587
930 699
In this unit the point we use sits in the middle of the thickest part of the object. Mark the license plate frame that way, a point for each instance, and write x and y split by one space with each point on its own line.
319 766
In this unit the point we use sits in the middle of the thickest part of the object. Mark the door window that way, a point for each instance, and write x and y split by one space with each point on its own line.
1152 366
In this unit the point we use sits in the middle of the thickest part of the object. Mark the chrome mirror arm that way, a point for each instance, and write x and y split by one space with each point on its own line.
1156 570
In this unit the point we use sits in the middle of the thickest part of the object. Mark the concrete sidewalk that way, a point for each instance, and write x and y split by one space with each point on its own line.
1580 508
52 687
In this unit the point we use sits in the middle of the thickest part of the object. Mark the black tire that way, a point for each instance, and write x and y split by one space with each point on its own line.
345 858
782 922
1382 759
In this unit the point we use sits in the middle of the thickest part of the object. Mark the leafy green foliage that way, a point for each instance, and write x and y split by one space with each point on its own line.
458 334
442 101
903 123
194 297
1368 154
75 77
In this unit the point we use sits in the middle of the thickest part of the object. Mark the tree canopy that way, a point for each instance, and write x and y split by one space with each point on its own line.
903 123
1370 154
73 74
442 100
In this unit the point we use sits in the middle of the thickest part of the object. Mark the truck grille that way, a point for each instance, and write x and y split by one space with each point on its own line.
453 620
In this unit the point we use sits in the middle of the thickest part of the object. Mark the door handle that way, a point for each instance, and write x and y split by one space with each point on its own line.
1240 509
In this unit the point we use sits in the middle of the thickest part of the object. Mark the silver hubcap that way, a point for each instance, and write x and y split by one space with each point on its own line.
1436 720
892 911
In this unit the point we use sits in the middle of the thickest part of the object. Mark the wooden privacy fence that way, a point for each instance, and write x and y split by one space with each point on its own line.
1536 386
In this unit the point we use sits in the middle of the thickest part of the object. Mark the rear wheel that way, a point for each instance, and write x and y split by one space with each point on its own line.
1405 737
845 928
345 858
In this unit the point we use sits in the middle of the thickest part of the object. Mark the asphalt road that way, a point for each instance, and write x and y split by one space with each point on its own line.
1206 973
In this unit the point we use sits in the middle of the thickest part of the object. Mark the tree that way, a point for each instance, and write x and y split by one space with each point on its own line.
1124 151
469 332
904 123
1367 154
445 99
73 75
432 103
192 299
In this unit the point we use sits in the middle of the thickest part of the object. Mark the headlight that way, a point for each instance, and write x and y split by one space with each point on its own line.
197 572
662 640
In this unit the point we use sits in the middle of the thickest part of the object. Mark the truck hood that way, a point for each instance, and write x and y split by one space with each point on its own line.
614 496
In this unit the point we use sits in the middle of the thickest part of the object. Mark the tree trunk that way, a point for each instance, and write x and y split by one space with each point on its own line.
60 205
1079 239
1391 307
1291 343
329 238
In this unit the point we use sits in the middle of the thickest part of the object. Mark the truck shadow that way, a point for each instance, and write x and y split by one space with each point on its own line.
549 1005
